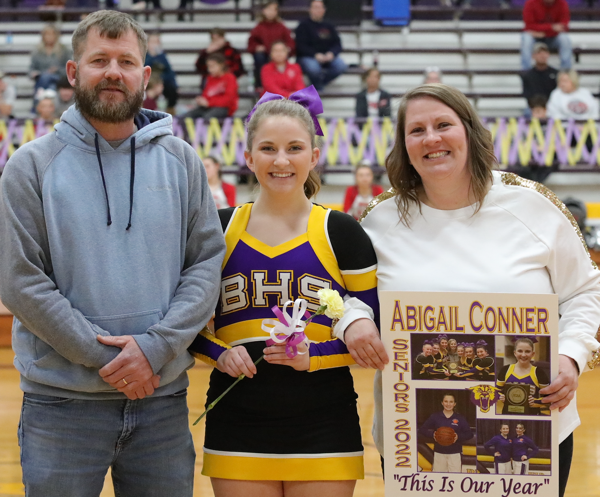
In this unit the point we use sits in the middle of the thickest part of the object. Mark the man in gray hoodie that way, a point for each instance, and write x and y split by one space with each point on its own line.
110 260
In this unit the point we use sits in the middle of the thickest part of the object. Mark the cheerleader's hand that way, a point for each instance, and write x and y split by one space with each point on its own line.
523 458
501 397
236 361
497 454
561 391
275 354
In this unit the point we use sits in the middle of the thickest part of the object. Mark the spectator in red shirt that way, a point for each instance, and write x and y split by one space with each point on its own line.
220 95
219 44
269 30
223 193
153 91
279 75
546 21
359 195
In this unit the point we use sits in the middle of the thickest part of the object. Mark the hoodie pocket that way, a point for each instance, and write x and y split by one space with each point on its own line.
134 323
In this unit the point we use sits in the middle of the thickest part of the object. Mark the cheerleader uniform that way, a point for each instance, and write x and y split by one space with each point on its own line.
482 370
504 446
534 379
285 424
521 446
423 367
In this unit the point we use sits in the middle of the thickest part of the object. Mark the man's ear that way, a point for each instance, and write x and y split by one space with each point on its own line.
71 68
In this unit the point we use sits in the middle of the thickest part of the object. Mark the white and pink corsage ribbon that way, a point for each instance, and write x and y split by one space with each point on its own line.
288 329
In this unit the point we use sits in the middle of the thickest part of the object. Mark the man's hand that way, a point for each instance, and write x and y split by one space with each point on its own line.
329 56
364 344
558 27
320 58
261 48
275 354
536 34
130 365
561 391
236 361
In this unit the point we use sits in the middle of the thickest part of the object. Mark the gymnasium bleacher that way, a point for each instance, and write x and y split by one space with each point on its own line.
480 57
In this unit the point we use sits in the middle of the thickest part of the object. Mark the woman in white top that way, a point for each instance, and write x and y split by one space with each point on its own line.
569 101
451 224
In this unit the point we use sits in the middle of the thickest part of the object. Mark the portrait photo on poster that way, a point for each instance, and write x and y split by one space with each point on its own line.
514 447
522 370
453 357
446 426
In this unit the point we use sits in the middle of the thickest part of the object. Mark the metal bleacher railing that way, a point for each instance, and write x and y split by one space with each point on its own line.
570 146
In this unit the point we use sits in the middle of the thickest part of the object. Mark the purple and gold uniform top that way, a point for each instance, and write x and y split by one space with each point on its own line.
536 379
334 253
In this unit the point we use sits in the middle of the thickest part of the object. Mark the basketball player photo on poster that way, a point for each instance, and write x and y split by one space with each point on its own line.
462 409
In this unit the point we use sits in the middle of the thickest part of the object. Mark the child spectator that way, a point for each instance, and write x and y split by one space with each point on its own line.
65 95
279 75
46 108
220 95
48 60
154 89
537 107
546 21
223 193
269 30
373 101
432 75
8 95
541 78
318 47
569 101
359 195
157 60
219 45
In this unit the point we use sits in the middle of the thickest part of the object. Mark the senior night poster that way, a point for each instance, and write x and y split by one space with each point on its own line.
462 412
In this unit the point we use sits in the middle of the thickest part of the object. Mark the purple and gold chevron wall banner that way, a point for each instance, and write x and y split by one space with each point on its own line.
347 142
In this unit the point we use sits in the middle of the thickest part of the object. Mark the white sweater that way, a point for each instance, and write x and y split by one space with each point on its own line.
520 241
579 105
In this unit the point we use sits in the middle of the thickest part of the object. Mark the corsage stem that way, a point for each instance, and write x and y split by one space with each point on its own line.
214 402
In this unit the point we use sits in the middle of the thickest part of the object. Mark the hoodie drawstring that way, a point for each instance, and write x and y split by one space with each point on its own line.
108 218
131 181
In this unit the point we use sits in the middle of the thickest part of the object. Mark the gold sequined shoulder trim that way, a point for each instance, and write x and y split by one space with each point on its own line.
512 179
391 193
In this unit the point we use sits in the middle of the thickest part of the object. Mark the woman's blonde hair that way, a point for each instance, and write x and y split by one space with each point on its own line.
287 108
572 75
480 156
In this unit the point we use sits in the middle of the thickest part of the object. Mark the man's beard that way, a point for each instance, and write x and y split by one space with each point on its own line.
108 110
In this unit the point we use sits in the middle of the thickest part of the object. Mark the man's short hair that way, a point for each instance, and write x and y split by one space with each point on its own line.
539 46
110 24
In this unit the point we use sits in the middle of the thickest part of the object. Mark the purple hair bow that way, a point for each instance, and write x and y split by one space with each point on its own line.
307 98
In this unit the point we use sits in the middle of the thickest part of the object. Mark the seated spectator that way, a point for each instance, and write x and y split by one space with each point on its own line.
157 60
220 45
318 46
538 107
154 89
223 193
541 78
373 101
48 60
431 75
546 21
65 95
569 101
359 195
8 96
46 107
220 95
279 75
269 30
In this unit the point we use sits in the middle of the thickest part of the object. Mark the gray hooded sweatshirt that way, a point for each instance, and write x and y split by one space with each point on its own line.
102 241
